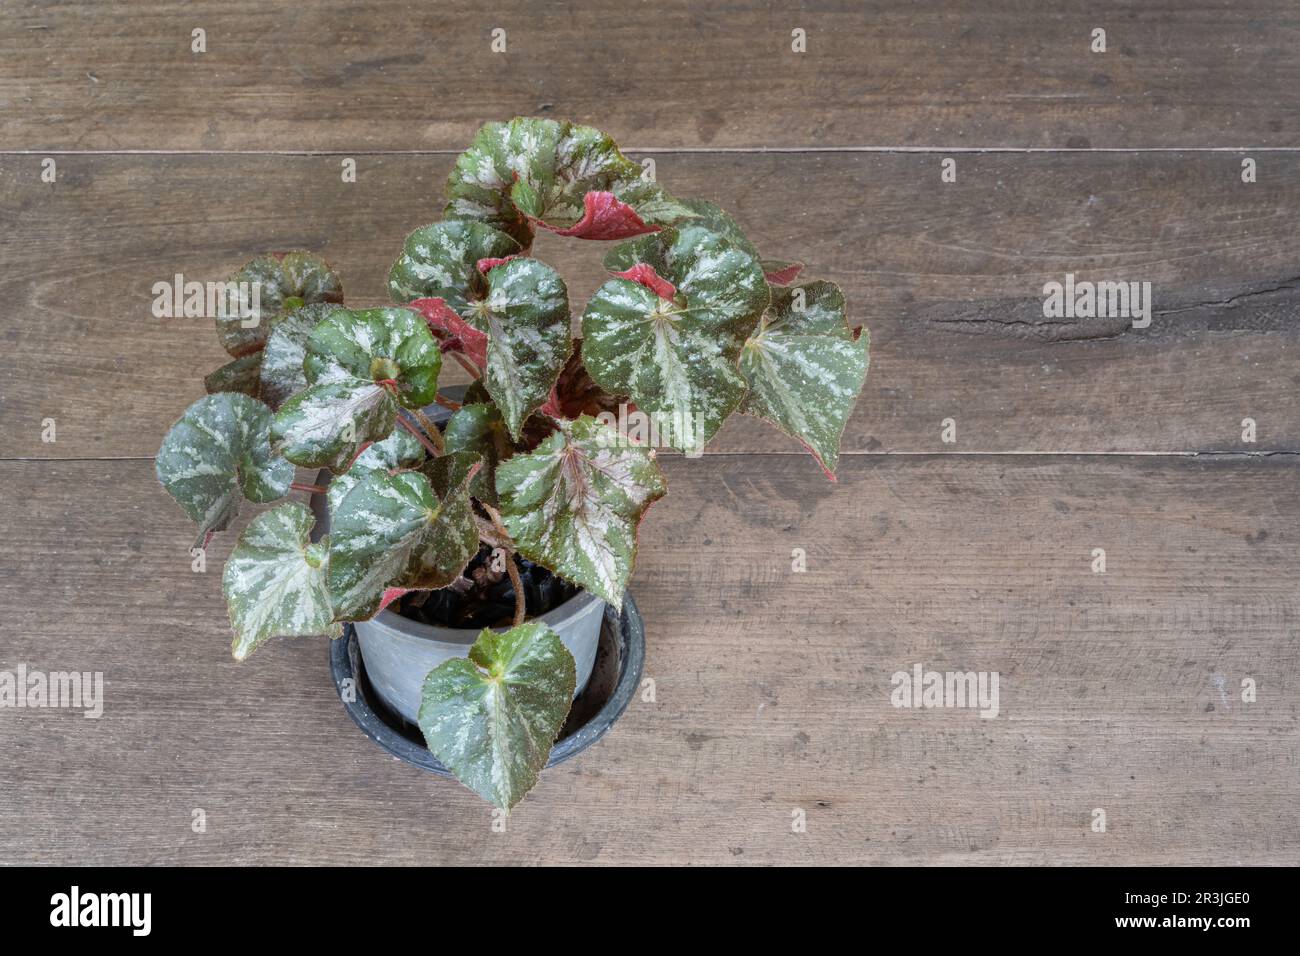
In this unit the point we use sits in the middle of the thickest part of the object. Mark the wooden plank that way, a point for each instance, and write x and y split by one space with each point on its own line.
948 277
772 689
393 75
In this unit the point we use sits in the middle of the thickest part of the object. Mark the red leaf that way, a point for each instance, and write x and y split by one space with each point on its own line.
460 335
604 217
390 595
785 276
645 275
486 265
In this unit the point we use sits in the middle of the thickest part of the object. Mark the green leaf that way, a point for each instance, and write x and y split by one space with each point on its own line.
805 368
574 504
528 170
714 218
218 450
328 425
290 279
480 430
493 717
275 581
393 531
441 261
676 359
401 449
286 347
526 317
378 345
360 365
242 375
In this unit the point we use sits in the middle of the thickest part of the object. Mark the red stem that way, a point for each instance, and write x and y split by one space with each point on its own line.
429 446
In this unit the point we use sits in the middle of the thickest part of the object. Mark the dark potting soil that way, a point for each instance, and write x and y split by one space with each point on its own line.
483 598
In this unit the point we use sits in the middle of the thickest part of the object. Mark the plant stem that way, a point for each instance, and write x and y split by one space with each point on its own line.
304 486
448 403
518 585
429 446
500 528
467 365
489 536
430 428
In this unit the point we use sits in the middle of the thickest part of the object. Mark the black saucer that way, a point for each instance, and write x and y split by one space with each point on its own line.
614 679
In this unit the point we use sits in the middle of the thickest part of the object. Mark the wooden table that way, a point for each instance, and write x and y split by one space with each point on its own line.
1120 692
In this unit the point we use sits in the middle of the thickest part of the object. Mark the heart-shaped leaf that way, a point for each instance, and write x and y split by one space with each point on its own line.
570 179
526 317
275 581
361 365
268 287
676 358
401 449
393 531
493 717
217 451
286 347
805 368
242 375
441 261
573 505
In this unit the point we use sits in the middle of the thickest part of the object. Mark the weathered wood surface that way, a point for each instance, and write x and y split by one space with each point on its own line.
678 73
948 277
1118 691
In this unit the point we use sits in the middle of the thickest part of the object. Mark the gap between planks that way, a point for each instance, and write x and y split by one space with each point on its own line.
1189 455
754 150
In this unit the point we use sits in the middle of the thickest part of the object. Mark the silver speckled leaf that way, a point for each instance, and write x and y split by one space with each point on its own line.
217 452
275 581
441 261
540 171
493 717
526 317
393 531
360 366
805 368
286 347
573 505
284 282
401 449
676 358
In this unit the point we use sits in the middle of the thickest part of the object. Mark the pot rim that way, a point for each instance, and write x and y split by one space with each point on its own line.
468 635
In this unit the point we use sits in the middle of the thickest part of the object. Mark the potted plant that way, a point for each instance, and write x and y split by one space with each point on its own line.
475 556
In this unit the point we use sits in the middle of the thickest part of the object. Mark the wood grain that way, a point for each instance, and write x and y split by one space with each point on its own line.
1119 691
388 74
947 277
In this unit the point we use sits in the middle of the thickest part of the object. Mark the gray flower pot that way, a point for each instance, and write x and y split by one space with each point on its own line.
399 653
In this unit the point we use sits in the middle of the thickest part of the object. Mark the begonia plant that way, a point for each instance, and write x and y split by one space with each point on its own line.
535 463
